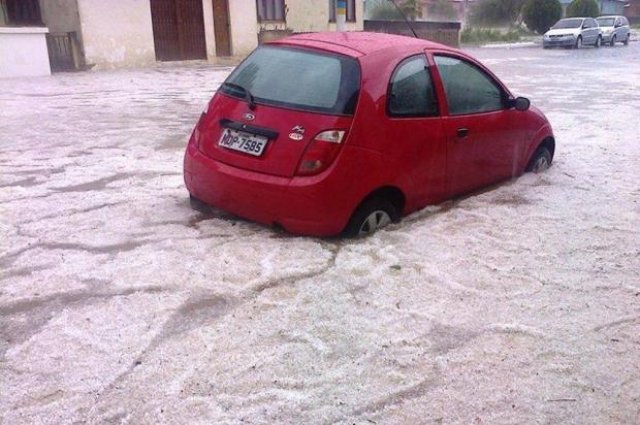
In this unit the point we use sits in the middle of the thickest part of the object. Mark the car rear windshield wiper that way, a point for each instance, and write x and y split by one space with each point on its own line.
247 94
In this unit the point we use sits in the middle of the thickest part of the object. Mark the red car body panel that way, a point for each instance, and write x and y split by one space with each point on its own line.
423 158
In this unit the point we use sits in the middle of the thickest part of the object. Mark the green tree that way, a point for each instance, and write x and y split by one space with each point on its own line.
583 8
496 12
381 10
412 8
539 15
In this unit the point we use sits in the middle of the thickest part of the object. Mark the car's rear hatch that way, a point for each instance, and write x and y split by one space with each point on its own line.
267 114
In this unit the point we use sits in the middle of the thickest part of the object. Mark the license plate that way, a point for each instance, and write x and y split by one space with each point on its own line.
243 142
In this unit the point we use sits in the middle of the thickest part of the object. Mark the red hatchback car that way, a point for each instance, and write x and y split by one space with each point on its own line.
344 132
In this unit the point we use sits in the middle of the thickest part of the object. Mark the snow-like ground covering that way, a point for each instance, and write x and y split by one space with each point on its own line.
119 304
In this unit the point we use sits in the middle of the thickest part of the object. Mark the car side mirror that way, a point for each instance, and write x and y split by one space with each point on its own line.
520 103
618 25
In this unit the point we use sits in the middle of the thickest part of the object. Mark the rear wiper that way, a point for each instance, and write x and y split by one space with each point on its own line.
247 94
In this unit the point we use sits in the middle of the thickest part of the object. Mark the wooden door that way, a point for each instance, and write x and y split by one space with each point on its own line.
178 29
221 27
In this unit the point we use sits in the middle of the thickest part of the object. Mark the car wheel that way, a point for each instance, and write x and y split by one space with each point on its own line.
578 42
370 216
613 41
540 161
598 42
626 40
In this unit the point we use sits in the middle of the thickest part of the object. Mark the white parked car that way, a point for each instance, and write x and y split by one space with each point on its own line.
573 32
615 29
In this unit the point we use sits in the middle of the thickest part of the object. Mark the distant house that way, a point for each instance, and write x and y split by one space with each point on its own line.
632 11
606 7
612 7
117 33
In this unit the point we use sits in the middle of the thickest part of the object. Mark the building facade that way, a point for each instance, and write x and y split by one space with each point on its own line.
84 34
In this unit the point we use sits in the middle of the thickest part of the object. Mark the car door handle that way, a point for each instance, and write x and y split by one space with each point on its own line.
462 132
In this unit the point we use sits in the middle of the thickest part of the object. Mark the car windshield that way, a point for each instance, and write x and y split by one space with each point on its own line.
567 23
605 22
299 79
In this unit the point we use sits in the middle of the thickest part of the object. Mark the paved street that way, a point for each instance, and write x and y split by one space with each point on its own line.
121 305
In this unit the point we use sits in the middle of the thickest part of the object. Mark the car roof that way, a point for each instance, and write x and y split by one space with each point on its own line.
360 43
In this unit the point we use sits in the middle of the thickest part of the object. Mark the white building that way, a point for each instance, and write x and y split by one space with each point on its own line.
123 33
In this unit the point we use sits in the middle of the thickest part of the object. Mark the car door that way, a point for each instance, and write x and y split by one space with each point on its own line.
417 146
482 141
594 30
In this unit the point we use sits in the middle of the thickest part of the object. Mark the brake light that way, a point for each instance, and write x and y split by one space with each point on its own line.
321 152
197 134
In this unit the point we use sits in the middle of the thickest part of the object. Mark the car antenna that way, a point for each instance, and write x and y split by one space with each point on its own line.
405 18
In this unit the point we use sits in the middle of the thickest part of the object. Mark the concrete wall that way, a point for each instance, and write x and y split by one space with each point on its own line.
117 33
23 52
243 16
62 16
209 35
441 32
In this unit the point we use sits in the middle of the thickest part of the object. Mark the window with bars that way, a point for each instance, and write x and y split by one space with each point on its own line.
271 10
22 12
351 10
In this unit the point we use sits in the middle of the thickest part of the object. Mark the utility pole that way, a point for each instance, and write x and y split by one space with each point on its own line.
341 15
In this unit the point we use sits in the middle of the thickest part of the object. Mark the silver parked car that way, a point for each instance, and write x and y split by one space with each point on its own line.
614 29
573 32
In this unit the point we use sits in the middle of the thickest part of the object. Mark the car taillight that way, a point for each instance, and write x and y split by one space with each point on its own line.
321 152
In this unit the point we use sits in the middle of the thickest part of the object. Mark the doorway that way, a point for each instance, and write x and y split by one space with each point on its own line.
178 30
221 27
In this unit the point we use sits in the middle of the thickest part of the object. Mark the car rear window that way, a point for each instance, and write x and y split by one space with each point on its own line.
299 79
605 22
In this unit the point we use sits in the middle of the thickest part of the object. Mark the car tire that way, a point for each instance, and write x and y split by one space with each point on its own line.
372 215
578 42
613 41
598 42
198 205
626 40
540 161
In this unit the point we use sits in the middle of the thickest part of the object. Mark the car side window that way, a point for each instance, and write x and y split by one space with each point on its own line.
411 92
469 90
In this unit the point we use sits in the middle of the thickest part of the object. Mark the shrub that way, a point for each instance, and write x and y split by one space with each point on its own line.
482 35
539 15
583 8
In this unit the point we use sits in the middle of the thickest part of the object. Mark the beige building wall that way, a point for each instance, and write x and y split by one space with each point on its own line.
117 33
209 35
244 34
302 16
313 15
60 15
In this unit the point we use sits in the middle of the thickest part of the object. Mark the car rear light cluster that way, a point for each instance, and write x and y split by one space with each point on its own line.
321 152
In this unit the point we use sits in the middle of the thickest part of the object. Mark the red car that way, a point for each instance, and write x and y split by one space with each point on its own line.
344 132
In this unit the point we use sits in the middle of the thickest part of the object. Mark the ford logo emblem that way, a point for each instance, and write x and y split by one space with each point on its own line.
296 136
249 116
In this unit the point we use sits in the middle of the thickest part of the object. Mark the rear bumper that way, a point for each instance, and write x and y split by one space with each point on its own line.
300 205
